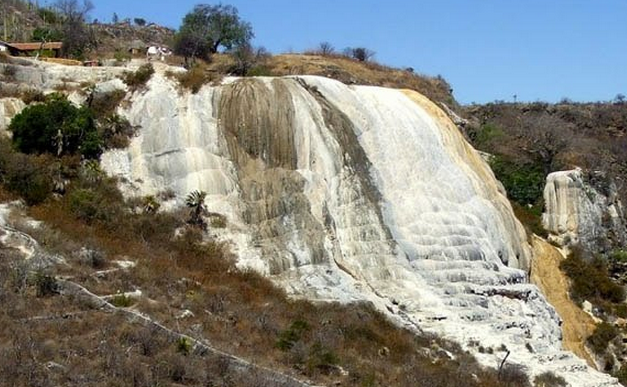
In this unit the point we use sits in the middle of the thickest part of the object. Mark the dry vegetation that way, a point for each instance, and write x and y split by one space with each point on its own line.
339 67
351 71
189 284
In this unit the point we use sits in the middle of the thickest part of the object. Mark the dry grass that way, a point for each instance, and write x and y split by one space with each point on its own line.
337 67
196 77
239 312
350 71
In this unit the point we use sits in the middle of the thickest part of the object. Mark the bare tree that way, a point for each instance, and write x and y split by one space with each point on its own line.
76 37
545 137
362 54
326 48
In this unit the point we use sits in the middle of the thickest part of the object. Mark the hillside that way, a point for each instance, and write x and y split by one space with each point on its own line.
290 193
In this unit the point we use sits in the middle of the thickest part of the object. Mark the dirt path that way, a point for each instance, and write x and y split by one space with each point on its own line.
545 274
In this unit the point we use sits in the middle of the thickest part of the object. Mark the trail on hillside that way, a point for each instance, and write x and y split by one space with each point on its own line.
545 273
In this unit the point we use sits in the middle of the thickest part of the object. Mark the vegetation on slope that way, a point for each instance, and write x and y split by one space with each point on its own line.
188 283
529 141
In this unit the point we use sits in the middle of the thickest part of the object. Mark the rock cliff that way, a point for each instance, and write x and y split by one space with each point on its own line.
351 193
577 211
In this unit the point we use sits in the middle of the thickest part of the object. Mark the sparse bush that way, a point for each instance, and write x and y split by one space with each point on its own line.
321 360
290 336
601 337
513 375
45 284
619 255
361 54
325 48
218 220
137 80
105 104
33 95
9 72
194 78
139 21
25 175
121 301
621 375
590 279
549 379
115 131
183 345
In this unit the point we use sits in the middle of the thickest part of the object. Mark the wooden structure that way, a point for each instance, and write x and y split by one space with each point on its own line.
17 49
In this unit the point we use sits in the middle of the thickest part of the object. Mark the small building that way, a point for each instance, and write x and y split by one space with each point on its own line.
137 47
17 49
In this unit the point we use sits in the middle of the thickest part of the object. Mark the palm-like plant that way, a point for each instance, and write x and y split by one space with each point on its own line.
196 202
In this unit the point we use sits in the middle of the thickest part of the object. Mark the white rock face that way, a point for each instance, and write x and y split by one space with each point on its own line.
9 108
353 193
576 212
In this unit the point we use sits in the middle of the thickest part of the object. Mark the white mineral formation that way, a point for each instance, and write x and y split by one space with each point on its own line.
577 212
353 193
9 108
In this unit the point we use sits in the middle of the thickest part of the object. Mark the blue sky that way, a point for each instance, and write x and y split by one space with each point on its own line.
487 49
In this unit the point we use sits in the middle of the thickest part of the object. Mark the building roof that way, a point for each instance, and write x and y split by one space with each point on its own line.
138 45
36 46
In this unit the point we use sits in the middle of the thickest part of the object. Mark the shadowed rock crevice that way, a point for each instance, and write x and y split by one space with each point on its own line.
257 118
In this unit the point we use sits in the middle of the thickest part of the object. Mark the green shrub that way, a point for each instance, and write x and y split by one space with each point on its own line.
601 337
195 78
293 334
530 218
524 183
183 345
105 104
321 359
56 127
139 78
621 375
115 131
619 255
121 301
486 134
45 284
590 280
25 175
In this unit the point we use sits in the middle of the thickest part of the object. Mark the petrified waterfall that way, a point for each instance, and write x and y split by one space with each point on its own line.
353 193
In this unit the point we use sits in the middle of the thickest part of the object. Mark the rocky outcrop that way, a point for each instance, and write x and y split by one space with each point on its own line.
352 193
9 108
583 210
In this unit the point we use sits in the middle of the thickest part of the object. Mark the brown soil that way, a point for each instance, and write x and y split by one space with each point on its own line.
545 273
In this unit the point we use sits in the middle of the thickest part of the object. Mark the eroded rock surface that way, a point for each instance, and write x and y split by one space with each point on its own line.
576 211
352 193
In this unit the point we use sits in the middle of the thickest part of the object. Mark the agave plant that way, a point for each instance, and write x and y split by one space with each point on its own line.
150 205
196 202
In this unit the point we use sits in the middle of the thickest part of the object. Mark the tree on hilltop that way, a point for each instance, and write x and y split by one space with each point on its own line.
76 37
208 27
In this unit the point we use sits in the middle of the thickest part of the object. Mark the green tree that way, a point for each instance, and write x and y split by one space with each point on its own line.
208 27
140 21
56 127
